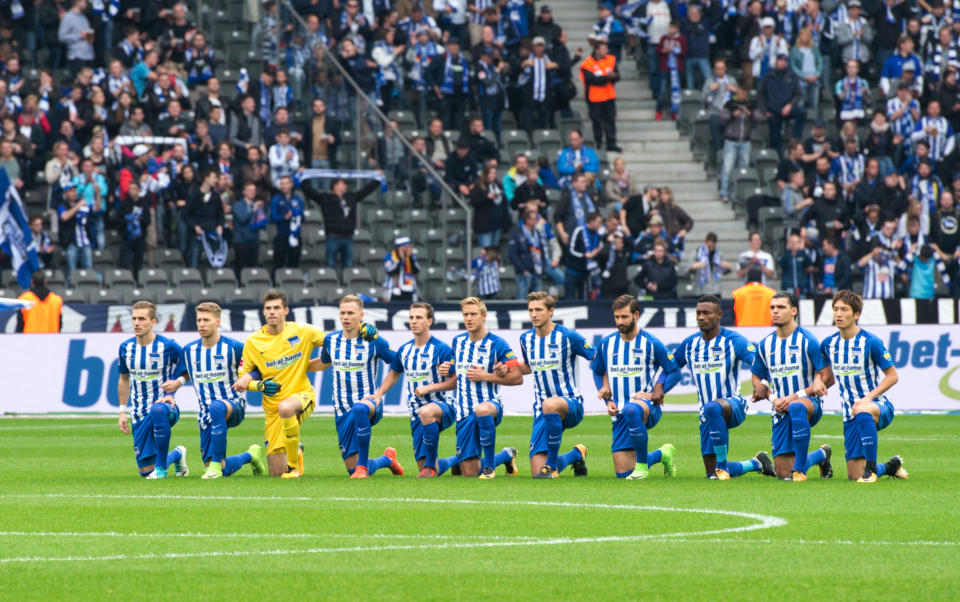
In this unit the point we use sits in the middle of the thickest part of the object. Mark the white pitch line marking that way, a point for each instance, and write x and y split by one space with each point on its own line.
762 522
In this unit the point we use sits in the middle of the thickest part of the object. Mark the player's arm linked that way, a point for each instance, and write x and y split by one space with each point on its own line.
123 396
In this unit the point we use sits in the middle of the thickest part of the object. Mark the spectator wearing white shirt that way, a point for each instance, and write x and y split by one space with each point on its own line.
765 48
756 256
284 159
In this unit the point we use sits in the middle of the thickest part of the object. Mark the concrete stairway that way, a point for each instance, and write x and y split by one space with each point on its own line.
655 151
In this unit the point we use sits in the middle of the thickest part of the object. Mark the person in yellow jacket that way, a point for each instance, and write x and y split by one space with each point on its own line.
751 302
598 74
44 315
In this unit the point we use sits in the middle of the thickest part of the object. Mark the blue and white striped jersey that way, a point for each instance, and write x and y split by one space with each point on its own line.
421 366
715 364
631 366
858 364
212 370
486 353
553 361
356 372
789 364
148 366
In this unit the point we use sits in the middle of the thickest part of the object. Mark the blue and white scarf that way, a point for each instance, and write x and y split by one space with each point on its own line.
934 64
540 81
216 256
581 205
851 168
244 82
927 191
712 269
673 64
447 86
424 53
106 12
296 219
853 95
346 174
538 250
905 125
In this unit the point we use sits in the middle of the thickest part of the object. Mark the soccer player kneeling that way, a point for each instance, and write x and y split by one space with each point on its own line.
418 361
146 361
355 352
624 369
211 362
476 354
857 359
714 356
789 363
279 353
550 353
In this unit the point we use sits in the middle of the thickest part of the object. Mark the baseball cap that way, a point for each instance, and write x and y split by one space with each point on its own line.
545 9
539 41
656 219
140 150
819 123
401 240
767 22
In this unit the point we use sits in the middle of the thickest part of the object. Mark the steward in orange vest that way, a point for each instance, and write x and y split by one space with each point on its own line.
44 316
598 74
751 302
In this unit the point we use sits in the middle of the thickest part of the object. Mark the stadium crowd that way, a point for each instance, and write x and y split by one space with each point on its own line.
119 132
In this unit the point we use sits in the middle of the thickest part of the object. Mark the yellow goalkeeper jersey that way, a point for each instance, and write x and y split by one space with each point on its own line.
283 357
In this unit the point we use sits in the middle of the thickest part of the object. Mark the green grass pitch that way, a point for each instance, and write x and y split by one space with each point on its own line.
78 523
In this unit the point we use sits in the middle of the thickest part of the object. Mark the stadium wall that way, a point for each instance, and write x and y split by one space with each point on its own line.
77 373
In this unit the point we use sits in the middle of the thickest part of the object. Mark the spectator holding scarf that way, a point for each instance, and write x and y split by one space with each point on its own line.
529 253
286 211
401 267
249 217
672 50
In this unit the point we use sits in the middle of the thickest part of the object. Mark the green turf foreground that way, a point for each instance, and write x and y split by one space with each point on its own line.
78 523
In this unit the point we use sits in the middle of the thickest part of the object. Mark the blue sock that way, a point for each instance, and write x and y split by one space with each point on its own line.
719 435
235 463
623 475
173 457
488 440
564 460
740 468
160 417
431 442
378 463
361 418
553 426
881 469
633 414
801 435
653 457
815 457
445 464
501 457
868 436
218 431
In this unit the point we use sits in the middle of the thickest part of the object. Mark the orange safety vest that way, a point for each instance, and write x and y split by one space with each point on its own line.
44 316
598 93
751 304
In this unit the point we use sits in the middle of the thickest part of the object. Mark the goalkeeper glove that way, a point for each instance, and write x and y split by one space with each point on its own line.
269 387
368 332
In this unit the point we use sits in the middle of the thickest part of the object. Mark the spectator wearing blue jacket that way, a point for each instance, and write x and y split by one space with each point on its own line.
697 32
286 211
529 253
577 158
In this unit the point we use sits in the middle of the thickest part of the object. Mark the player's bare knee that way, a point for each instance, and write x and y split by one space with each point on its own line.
486 409
286 409
861 407
554 405
429 414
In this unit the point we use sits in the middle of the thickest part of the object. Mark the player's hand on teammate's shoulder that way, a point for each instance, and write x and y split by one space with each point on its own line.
444 369
171 386
500 369
368 332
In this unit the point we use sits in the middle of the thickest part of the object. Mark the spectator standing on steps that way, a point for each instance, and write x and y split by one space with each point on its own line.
599 74
339 209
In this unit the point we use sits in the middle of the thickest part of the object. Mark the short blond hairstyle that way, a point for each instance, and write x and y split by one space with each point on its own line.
147 305
474 301
350 299
209 307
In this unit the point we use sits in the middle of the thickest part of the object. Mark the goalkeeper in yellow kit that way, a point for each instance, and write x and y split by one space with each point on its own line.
280 353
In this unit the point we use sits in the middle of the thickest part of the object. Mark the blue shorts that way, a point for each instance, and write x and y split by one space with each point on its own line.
347 431
738 413
782 440
206 441
468 433
621 432
416 429
144 446
538 437
852 446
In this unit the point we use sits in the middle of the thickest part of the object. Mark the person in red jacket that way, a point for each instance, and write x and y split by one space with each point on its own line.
672 49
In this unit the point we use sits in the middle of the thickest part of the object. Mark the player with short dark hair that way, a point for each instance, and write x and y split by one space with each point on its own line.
550 353
279 353
789 361
479 359
714 356
625 371
146 361
857 358
354 351
212 362
431 412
